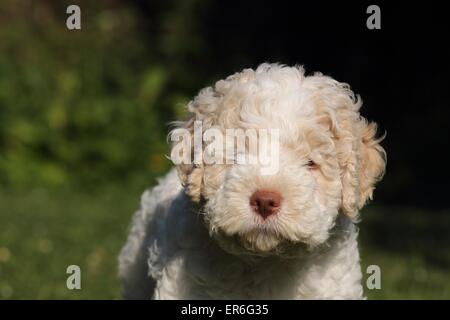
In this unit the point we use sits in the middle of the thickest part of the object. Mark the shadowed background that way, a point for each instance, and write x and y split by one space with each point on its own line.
83 124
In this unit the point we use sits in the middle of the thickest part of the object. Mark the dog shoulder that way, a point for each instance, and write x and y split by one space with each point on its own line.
141 259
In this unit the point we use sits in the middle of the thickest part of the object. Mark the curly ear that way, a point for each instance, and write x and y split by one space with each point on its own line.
182 154
373 162
191 177
364 167
361 158
202 116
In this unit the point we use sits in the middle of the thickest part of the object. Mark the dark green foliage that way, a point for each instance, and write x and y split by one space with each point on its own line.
79 107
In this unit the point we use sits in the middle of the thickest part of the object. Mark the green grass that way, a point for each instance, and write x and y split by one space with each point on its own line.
412 248
42 232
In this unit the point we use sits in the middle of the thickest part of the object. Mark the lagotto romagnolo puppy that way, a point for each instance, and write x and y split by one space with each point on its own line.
226 231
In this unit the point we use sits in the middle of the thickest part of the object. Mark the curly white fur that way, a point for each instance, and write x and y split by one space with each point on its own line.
195 235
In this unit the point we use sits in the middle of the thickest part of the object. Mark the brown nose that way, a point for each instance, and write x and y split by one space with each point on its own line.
265 202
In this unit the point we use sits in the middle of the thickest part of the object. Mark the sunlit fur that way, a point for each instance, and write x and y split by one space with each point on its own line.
197 236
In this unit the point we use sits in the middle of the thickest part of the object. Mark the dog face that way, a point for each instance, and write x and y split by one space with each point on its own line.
328 159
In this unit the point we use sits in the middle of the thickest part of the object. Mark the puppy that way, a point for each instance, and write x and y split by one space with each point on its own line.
227 229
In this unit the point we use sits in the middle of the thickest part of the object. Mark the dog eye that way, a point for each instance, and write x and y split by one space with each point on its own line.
312 164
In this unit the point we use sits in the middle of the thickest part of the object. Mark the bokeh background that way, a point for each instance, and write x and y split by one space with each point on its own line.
83 124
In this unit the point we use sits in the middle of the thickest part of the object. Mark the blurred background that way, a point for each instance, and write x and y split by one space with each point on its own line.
84 113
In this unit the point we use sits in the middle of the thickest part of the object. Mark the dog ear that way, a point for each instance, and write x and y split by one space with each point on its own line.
191 177
202 110
364 167
361 158
372 161
189 173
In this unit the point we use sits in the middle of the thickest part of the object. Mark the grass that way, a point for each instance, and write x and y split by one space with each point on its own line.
42 233
412 248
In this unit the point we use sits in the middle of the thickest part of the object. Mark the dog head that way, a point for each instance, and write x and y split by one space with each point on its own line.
328 157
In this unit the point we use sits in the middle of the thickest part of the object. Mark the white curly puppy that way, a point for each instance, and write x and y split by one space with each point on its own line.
225 231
